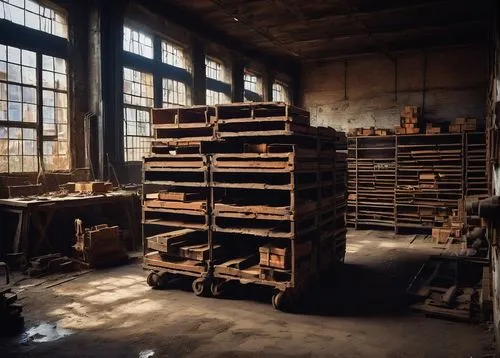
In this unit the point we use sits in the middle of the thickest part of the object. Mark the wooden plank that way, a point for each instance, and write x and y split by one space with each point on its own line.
192 205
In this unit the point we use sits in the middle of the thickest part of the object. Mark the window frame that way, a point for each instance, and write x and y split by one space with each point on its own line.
220 86
42 44
250 95
159 70
286 91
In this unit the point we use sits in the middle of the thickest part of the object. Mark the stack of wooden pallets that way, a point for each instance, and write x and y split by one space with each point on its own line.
263 202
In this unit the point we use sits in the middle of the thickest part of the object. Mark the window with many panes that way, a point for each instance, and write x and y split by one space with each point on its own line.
214 97
280 92
137 42
171 66
33 15
175 94
173 55
138 98
253 87
214 69
20 124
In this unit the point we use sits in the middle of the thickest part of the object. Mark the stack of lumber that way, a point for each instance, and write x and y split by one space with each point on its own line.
264 200
372 174
410 116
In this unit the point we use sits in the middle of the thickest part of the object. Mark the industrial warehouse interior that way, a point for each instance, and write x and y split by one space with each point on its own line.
230 178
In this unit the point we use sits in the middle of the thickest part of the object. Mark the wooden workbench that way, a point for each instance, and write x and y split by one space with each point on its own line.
37 214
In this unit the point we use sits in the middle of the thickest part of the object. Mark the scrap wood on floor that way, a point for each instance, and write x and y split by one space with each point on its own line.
451 288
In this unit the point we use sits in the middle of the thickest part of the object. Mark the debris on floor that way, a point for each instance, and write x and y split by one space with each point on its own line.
50 263
451 288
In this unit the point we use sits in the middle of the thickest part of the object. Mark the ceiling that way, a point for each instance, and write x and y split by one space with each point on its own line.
304 30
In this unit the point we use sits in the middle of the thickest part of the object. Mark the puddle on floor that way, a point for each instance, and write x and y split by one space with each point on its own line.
146 354
45 332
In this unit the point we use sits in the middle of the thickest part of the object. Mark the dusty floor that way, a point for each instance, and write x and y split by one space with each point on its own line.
113 313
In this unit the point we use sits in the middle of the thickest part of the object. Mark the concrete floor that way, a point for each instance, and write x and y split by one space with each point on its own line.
113 313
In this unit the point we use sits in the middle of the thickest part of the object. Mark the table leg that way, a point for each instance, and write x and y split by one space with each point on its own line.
41 228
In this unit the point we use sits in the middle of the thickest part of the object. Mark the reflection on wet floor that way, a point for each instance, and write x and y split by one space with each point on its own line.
45 332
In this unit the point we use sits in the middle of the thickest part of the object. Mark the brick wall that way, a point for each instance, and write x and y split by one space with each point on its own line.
370 91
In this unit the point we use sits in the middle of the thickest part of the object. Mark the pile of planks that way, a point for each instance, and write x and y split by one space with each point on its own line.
452 288
371 131
262 199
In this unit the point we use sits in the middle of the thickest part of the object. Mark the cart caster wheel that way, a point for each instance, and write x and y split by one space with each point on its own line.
279 301
216 288
201 287
154 280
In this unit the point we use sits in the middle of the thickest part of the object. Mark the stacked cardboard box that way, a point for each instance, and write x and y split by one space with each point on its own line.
432 129
410 116
462 124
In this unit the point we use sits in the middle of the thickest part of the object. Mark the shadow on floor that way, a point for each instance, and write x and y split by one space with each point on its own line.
377 288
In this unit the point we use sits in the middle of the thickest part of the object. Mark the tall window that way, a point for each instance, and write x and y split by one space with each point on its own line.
170 67
281 92
19 109
253 87
214 69
30 14
218 90
137 42
138 98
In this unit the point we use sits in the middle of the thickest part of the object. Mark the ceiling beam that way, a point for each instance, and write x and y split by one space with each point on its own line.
340 35
371 37
241 18
329 16
424 43
291 8
207 32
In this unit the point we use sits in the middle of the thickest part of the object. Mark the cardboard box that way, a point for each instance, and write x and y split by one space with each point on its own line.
412 130
471 121
400 130
432 130
91 187
441 235
460 120
455 128
368 132
469 127
274 257
427 176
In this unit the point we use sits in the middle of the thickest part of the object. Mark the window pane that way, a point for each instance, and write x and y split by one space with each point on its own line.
137 42
33 15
